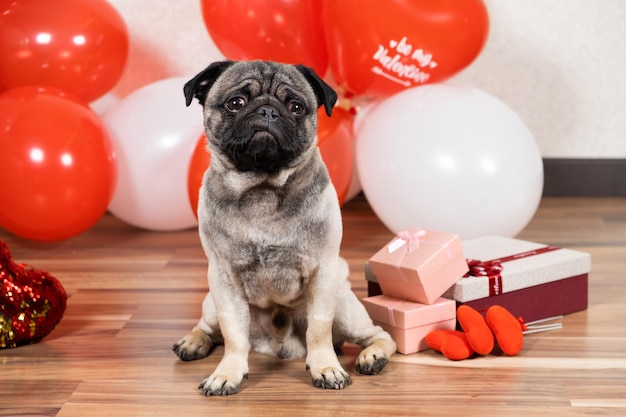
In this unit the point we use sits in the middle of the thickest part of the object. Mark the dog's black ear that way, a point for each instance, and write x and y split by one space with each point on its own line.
199 85
324 93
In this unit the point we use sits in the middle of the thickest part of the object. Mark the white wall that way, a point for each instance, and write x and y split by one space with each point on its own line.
560 64
167 39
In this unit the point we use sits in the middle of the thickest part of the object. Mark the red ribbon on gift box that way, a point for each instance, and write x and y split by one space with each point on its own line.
492 269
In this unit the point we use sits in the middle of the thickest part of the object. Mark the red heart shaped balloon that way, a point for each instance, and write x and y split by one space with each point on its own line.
278 30
32 302
379 47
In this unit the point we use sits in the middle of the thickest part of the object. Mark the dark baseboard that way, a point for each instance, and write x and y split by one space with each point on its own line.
584 177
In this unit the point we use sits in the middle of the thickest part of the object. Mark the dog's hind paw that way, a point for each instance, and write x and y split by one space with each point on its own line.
371 365
375 357
195 345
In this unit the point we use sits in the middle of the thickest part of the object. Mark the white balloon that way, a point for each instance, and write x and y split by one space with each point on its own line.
154 135
355 185
450 158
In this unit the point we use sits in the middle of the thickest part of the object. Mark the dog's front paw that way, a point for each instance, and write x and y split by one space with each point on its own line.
330 378
196 345
221 384
371 361
227 377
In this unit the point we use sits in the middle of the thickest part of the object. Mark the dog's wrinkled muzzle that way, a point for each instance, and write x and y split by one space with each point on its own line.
264 140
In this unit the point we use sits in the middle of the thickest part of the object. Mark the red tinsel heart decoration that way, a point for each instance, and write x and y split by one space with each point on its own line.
32 302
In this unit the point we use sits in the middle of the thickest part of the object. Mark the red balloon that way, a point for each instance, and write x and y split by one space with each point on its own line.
57 165
79 46
200 160
380 47
288 31
334 139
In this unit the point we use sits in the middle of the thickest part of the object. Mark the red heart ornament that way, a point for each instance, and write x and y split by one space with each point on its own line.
380 47
32 302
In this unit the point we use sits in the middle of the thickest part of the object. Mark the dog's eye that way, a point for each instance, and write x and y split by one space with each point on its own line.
296 107
235 104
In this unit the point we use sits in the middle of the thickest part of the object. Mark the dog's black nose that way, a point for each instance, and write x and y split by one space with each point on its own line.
269 112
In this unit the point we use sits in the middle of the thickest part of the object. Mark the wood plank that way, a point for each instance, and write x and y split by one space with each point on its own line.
133 293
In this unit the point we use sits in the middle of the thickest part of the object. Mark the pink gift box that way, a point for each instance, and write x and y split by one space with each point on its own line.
408 322
419 265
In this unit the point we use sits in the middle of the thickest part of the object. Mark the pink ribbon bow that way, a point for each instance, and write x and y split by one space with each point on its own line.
412 238
409 238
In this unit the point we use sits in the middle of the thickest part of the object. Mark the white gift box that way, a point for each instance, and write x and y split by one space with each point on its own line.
522 264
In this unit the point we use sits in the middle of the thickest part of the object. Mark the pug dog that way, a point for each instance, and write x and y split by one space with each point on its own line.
270 225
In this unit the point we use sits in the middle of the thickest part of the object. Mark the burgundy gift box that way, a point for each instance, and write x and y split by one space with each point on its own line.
419 265
530 279
407 322
554 298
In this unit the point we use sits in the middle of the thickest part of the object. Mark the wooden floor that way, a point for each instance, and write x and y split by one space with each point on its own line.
134 293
